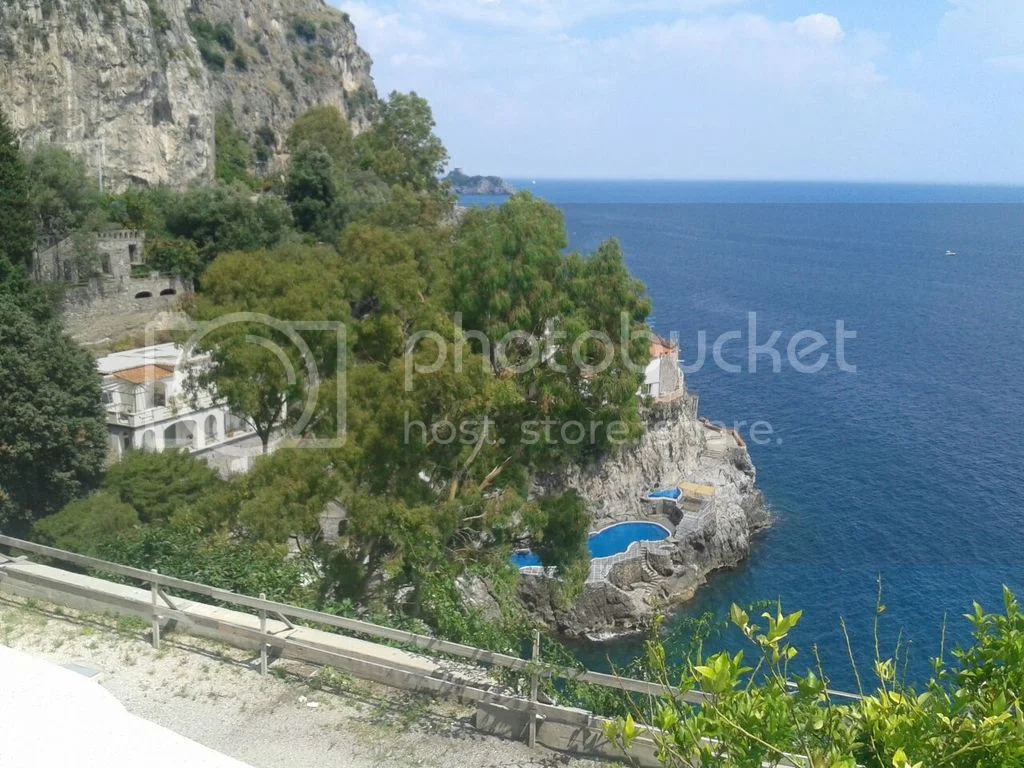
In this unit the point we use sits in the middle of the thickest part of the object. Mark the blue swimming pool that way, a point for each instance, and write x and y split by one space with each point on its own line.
607 542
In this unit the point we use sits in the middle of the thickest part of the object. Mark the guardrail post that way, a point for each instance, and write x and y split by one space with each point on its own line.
534 679
263 633
154 590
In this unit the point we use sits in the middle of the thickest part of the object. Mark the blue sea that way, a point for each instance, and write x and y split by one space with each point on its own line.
910 469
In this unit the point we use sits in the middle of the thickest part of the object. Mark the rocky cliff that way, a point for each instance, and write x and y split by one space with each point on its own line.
463 184
134 85
676 448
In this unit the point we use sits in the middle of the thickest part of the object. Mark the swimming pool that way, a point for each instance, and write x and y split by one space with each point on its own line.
606 542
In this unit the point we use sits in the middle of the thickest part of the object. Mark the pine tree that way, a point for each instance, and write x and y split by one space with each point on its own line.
17 225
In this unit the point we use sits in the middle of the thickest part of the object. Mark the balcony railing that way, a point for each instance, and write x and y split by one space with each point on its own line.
125 415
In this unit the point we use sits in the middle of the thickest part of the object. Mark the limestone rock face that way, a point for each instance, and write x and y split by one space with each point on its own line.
674 450
289 55
133 86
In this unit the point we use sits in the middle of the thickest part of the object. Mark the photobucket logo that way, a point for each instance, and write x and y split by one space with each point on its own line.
265 373
518 352
807 351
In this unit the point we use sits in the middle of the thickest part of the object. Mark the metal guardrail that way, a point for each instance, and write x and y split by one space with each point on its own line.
285 612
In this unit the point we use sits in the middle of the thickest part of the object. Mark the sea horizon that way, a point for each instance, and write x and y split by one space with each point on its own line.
671 191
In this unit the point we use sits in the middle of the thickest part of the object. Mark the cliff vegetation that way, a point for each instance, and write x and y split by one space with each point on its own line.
134 87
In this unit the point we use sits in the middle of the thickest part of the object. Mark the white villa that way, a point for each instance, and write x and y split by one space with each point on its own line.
148 408
663 378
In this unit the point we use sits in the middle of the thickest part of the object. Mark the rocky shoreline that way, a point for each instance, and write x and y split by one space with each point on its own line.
677 448
463 184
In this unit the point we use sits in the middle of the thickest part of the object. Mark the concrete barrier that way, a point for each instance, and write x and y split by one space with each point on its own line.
500 714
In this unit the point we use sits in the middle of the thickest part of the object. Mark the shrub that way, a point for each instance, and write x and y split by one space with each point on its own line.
967 716
157 485
305 29
84 525
175 256
160 21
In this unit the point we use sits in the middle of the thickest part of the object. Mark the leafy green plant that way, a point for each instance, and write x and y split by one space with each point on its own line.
305 29
967 716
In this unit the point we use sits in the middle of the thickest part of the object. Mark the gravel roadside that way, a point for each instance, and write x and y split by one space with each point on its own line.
298 716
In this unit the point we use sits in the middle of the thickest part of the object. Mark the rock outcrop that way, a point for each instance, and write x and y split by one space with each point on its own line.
478 185
675 449
134 86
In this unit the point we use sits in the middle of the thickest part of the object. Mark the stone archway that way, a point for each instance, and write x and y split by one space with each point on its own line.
180 436
210 429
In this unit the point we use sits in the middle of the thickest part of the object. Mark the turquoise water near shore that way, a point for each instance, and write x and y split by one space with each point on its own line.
912 468
613 540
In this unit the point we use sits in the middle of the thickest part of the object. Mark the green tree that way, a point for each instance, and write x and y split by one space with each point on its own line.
175 256
233 157
258 368
144 208
386 284
312 192
284 495
569 332
157 485
324 128
221 218
17 224
564 527
64 198
53 436
86 525
401 147
180 548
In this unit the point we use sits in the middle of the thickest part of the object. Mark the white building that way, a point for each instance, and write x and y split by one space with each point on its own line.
149 408
663 377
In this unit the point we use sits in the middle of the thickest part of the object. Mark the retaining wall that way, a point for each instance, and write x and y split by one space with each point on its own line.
101 298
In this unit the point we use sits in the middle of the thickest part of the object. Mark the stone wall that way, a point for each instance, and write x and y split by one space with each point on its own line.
114 254
110 298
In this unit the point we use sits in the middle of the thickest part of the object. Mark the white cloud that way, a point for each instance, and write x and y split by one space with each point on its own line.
820 27
719 92
557 15
377 29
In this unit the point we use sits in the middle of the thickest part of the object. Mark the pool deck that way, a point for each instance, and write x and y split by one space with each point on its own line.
600 567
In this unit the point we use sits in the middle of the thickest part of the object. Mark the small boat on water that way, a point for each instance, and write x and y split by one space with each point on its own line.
951 253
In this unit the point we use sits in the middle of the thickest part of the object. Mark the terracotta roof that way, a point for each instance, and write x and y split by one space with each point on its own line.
662 348
144 374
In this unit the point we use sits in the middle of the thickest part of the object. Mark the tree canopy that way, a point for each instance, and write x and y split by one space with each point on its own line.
157 485
53 436
473 352
326 129
401 148
63 197
17 225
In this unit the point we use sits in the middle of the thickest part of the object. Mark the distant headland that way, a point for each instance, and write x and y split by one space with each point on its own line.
478 185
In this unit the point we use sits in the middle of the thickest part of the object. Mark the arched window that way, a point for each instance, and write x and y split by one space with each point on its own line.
168 292
143 295
211 429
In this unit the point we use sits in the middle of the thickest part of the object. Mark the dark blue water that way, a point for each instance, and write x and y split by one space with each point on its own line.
912 468
607 542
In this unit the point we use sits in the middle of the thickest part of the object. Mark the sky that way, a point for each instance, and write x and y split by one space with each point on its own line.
858 90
